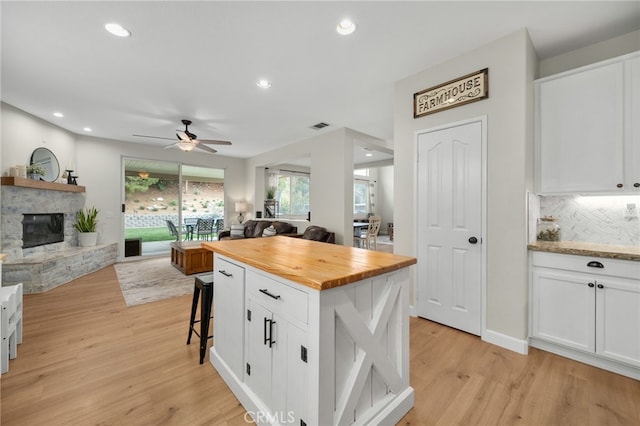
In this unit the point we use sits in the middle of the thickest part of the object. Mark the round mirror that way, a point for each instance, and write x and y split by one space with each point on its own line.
48 160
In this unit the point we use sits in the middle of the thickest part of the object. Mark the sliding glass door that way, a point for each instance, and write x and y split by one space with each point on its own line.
162 202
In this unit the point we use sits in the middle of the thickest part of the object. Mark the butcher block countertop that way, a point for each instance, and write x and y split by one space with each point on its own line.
320 266
588 249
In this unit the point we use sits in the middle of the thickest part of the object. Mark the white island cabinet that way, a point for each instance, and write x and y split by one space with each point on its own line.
310 333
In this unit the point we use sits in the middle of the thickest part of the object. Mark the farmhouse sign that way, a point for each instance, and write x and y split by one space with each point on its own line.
470 88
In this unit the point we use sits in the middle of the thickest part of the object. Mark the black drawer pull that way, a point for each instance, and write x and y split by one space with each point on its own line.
600 286
225 273
591 285
265 291
594 264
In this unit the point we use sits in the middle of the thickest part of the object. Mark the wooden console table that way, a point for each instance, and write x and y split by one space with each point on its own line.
190 257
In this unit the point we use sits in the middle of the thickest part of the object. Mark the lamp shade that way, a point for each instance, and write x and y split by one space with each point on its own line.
241 207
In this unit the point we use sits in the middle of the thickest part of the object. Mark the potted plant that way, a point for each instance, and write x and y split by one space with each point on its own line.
36 171
86 221
271 193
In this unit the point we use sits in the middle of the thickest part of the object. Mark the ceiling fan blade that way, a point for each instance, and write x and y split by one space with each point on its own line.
153 137
214 142
183 136
206 148
170 145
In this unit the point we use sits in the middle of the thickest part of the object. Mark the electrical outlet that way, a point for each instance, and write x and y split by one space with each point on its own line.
631 211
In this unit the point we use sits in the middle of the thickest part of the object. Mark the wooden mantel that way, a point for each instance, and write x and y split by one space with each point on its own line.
40 184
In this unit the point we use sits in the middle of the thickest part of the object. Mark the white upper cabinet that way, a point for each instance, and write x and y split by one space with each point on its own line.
587 135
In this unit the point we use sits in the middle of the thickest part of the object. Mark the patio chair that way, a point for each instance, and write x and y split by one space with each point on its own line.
173 230
204 228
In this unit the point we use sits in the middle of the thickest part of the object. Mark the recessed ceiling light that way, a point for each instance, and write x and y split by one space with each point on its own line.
263 84
346 27
58 114
117 30
87 129
368 154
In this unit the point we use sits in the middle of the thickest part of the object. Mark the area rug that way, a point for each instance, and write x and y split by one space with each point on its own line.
150 280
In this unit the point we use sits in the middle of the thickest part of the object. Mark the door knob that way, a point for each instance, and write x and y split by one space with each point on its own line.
473 240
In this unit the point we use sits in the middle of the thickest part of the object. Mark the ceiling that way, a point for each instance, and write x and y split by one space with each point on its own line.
201 61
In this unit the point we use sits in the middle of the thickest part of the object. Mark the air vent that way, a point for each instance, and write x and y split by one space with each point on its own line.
319 126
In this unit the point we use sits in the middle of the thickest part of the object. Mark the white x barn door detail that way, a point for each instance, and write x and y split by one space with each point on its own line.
370 348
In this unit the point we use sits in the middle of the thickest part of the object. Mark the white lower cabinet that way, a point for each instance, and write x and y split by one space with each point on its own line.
588 309
228 321
275 348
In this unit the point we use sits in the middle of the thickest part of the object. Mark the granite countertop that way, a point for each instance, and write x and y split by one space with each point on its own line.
320 266
588 249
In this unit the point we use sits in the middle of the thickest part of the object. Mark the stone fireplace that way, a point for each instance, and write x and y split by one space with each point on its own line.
45 266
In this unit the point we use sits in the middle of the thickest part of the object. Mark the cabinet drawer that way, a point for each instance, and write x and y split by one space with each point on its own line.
223 270
278 297
612 267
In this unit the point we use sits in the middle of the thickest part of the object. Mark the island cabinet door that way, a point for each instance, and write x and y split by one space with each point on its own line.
261 337
228 308
276 365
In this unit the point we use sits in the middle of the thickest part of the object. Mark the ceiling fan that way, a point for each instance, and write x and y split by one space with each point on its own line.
187 140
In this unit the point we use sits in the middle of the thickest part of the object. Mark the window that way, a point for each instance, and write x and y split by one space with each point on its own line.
292 193
360 196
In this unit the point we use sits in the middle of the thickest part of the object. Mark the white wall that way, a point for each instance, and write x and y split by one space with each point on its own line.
606 49
511 64
22 133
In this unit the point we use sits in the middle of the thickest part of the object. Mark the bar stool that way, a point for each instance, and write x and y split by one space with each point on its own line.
203 282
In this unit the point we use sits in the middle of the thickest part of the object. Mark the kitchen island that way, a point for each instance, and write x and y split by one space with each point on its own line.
310 333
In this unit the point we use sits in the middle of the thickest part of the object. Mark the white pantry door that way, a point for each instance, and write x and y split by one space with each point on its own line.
450 226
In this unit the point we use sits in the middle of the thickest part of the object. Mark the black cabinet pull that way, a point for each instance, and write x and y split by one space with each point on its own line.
264 330
619 185
265 291
591 285
600 286
225 273
271 341
473 240
594 264
636 185
268 339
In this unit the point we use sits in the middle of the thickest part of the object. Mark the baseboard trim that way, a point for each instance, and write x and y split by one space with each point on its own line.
413 312
516 345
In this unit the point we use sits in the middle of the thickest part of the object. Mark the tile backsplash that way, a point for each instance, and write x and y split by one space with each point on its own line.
593 219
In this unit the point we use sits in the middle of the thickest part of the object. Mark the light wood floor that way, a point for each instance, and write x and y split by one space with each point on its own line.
87 359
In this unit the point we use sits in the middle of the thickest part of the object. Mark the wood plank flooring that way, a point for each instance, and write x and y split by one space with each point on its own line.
87 359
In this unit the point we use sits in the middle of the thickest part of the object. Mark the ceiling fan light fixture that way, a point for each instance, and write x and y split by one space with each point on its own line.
263 84
186 146
117 30
346 27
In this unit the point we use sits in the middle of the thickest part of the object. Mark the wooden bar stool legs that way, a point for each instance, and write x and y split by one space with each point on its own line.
203 283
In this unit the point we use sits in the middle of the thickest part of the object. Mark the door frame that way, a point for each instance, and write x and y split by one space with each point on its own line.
483 222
